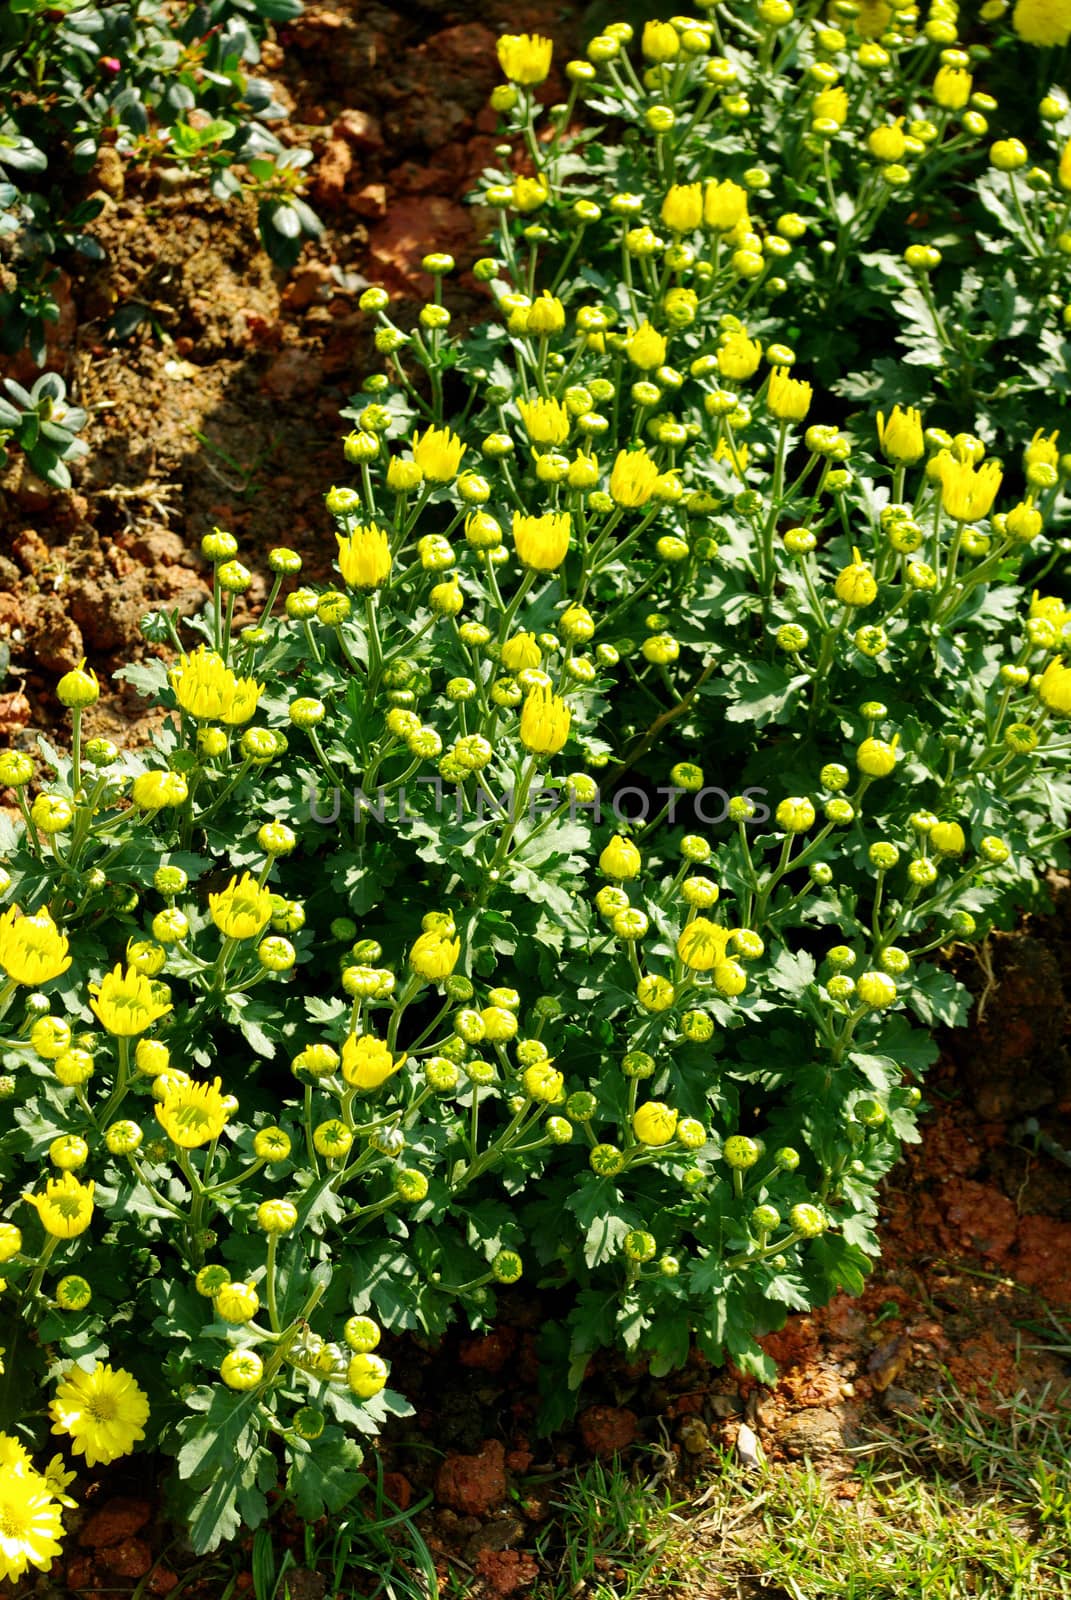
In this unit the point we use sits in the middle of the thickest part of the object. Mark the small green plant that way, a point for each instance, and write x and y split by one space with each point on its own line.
44 427
160 83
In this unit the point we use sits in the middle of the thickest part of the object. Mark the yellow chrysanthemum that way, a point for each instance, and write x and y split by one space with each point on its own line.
545 722
873 18
1043 22
831 105
65 1208
1054 690
242 909
525 57
682 209
546 421
367 1061
14 1455
30 1523
901 436
739 356
32 949
438 452
646 347
787 398
1042 448
435 953
967 491
633 478
702 944
125 1002
364 558
724 205
542 543
207 689
193 1114
103 1412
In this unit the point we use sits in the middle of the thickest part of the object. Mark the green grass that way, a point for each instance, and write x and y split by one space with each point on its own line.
970 1502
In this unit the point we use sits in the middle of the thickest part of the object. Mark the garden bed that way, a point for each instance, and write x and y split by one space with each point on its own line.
221 410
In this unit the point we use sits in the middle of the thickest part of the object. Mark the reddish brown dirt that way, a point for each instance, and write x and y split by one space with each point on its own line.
222 407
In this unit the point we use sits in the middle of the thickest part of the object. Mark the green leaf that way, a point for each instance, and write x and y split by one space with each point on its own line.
326 1477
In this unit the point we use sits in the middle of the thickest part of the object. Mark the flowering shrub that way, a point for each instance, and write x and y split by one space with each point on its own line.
162 84
558 896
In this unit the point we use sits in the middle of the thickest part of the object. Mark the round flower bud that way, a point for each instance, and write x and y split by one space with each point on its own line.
73 1293
122 1138
507 1267
876 990
740 1152
277 1216
78 689
241 1369
807 1220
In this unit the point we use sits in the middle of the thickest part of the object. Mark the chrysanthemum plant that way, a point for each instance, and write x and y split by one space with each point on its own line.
561 893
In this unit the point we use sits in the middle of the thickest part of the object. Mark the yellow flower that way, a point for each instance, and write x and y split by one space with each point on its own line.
237 1303
952 88
403 475
967 491
32 949
545 722
1063 172
14 1454
856 584
633 478
646 347
682 209
103 1412
654 1123
702 944
546 314
901 437
620 859
435 954
56 1479
739 356
873 18
364 558
208 690
1043 22
525 57
948 838
366 1060
724 205
438 454
31 1525
125 1003
547 421
1054 690
543 1082
1052 608
530 193
65 1208
660 41
521 651
1042 448
153 791
192 1114
723 452
542 543
242 909
787 398
830 106
887 143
